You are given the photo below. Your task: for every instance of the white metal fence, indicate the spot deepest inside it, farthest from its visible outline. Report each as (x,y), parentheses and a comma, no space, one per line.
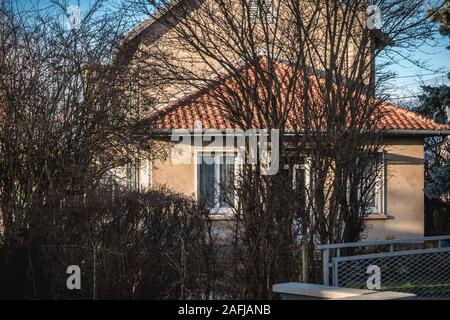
(419,265)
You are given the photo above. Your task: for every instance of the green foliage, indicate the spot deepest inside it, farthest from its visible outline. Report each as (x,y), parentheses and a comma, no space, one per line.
(434,103)
(440,181)
(443,17)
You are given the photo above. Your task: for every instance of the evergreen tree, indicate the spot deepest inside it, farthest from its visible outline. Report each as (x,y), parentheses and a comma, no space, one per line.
(442,16)
(435,104)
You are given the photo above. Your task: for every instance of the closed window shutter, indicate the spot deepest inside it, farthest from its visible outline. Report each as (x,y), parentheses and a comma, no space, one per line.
(254,7)
(227,182)
(300,180)
(133,174)
(206,184)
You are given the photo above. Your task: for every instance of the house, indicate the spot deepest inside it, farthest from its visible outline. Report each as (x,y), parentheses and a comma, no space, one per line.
(397,200)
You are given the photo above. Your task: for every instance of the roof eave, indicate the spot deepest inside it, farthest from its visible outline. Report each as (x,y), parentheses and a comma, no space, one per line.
(397,132)
(149,21)
(417,133)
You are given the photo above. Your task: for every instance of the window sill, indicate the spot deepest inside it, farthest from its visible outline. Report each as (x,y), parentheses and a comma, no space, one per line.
(221,214)
(377,216)
(222,217)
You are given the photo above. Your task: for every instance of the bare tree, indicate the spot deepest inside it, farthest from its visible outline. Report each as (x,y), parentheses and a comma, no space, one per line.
(66,112)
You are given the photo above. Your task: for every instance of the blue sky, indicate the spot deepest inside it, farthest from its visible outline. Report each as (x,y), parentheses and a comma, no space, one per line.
(409,77)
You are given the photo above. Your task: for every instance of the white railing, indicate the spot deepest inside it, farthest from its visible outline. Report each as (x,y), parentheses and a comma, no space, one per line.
(432,255)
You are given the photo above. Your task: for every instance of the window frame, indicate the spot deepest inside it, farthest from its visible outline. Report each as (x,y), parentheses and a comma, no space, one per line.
(133,174)
(254,10)
(216,210)
(379,210)
(304,166)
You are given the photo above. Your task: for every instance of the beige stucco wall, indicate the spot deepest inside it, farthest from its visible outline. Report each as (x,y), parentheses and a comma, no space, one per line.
(404,195)
(404,203)
(178,177)
(162,48)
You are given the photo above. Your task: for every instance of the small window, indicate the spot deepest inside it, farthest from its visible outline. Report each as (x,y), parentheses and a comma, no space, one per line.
(299,177)
(375,189)
(135,100)
(260,8)
(133,176)
(215,181)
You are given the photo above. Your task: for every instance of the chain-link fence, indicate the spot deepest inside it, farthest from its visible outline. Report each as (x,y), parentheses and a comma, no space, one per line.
(124,273)
(132,272)
(421,266)
(426,274)
(127,273)
(102,273)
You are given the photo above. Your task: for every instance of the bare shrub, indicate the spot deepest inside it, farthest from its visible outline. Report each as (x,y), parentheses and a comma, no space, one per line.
(150,245)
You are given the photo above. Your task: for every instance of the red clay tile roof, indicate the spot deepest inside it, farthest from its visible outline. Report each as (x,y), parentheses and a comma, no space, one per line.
(397,118)
(200,107)
(189,113)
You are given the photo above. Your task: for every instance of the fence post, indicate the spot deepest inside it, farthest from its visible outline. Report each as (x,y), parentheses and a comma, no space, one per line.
(183,260)
(325,268)
(335,273)
(305,264)
(95,278)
